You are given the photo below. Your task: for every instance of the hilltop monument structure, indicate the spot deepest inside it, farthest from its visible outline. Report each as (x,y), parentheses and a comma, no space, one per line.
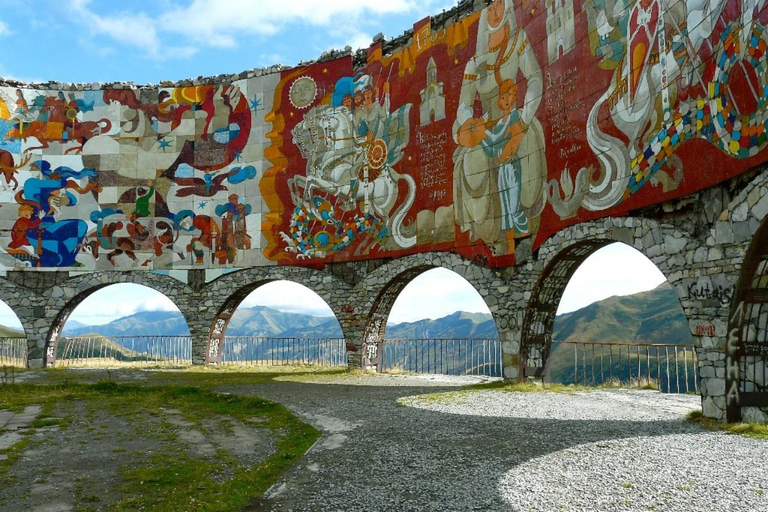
(505,141)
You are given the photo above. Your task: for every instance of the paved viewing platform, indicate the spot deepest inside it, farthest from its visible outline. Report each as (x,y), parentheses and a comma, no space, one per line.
(421,442)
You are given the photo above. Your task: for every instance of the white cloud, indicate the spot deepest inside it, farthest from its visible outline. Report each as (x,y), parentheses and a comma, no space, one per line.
(219,23)
(271,58)
(9,75)
(8,317)
(223,23)
(349,35)
(289,297)
(157,302)
(120,300)
(4,29)
(435,294)
(135,29)
(617,269)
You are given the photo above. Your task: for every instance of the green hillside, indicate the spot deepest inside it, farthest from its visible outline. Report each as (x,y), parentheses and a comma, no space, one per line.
(457,325)
(96,347)
(8,332)
(654,317)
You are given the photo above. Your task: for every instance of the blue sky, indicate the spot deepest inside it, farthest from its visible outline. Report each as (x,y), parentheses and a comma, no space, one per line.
(147,42)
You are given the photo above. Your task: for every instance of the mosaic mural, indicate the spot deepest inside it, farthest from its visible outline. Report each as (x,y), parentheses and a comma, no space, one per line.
(507,124)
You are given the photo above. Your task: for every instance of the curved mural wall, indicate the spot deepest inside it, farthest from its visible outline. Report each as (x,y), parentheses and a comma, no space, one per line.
(508,123)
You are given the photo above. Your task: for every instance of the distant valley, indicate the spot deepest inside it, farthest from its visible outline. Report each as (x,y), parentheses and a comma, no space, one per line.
(654,316)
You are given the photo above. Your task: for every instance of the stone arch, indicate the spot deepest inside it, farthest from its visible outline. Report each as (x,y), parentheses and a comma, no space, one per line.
(746,350)
(13,297)
(732,240)
(668,247)
(743,215)
(390,279)
(16,297)
(331,289)
(66,296)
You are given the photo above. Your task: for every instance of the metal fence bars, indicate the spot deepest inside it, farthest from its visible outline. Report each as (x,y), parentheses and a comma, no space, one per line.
(265,351)
(445,356)
(124,351)
(669,368)
(13,352)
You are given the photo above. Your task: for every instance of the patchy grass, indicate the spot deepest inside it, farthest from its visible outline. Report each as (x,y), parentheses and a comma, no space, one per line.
(8,373)
(530,386)
(13,453)
(756,430)
(44,420)
(208,377)
(169,480)
(536,386)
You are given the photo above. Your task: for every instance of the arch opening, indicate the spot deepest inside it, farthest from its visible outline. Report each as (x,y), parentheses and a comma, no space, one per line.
(119,324)
(429,319)
(13,340)
(276,322)
(746,376)
(601,313)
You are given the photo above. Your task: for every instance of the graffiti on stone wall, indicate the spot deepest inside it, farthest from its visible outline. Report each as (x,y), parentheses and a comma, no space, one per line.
(705,330)
(732,370)
(509,123)
(706,290)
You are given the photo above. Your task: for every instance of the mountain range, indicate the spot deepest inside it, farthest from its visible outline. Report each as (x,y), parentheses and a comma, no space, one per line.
(654,316)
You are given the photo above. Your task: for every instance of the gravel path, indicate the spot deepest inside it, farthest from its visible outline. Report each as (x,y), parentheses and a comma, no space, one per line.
(386,448)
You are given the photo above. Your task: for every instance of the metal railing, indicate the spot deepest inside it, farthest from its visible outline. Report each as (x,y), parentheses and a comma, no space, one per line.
(265,351)
(670,368)
(13,352)
(445,356)
(124,350)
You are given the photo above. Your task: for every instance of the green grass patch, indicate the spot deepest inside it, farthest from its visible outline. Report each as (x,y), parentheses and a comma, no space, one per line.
(13,453)
(756,430)
(170,479)
(528,387)
(45,422)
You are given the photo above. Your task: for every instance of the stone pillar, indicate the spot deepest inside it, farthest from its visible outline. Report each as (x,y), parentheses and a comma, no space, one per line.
(31,295)
(352,319)
(199,309)
(199,321)
(353,312)
(712,381)
(36,328)
(514,296)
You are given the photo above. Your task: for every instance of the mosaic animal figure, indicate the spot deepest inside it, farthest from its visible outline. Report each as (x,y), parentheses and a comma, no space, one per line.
(351,174)
(117,234)
(65,133)
(8,167)
(315,232)
(216,147)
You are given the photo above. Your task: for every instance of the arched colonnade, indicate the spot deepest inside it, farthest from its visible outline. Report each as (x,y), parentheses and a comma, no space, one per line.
(703,264)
